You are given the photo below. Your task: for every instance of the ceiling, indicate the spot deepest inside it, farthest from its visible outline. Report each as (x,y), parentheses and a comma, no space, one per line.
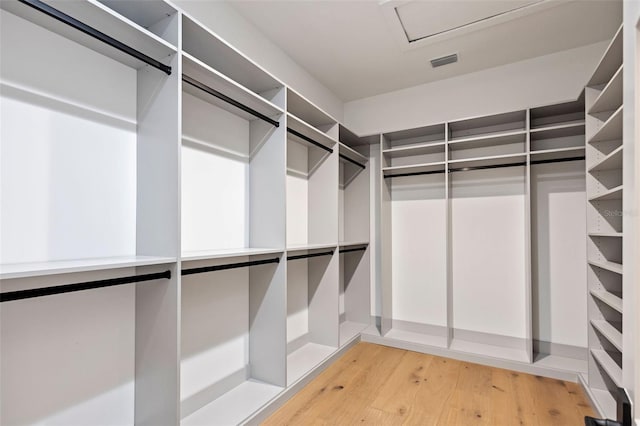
(362,48)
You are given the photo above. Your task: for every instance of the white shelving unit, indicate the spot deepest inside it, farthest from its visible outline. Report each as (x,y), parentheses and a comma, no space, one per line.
(604,165)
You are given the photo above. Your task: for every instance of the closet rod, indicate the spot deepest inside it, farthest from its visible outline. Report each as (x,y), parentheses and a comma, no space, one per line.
(89,285)
(227,99)
(495,166)
(308,139)
(92,32)
(228,266)
(344,157)
(305,256)
(352,249)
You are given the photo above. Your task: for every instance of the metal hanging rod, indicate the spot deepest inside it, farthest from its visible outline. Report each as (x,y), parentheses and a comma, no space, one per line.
(494,166)
(89,285)
(308,139)
(227,99)
(349,250)
(228,266)
(306,256)
(98,35)
(344,157)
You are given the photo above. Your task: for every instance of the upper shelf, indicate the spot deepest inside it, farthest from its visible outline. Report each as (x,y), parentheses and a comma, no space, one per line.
(610,61)
(418,149)
(299,126)
(36,269)
(610,97)
(612,161)
(102,19)
(352,156)
(610,130)
(227,253)
(486,126)
(486,140)
(489,161)
(420,136)
(206,75)
(426,168)
(207,47)
(554,131)
(550,116)
(308,112)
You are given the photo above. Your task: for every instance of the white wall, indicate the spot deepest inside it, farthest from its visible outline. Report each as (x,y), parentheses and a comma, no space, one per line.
(222,19)
(540,81)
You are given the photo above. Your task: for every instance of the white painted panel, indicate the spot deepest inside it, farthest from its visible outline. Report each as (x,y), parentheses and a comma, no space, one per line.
(297,299)
(68,176)
(68,359)
(559,253)
(297,194)
(341,217)
(418,246)
(215,327)
(488,252)
(215,177)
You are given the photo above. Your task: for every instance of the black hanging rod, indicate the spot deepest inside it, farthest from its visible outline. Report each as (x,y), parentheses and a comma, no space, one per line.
(98,35)
(306,256)
(308,139)
(349,250)
(344,157)
(227,99)
(494,166)
(228,266)
(89,285)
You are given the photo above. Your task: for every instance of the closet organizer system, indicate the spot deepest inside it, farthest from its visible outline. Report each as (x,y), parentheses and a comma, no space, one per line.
(483,243)
(185,238)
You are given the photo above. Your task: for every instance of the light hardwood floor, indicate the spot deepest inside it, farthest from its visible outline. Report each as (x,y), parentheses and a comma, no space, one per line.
(373,384)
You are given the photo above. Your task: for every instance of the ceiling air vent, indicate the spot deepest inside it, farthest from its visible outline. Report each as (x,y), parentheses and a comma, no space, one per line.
(444,60)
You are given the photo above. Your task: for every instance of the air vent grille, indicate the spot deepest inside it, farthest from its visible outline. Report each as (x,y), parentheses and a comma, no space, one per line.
(444,60)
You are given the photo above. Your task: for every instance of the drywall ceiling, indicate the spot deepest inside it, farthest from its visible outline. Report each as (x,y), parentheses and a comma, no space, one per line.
(363,48)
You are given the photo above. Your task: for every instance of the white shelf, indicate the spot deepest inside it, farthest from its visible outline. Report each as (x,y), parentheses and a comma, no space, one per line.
(610,61)
(352,154)
(435,167)
(610,194)
(606,401)
(491,139)
(561,363)
(557,153)
(610,130)
(304,247)
(227,253)
(36,269)
(611,96)
(608,365)
(103,19)
(612,161)
(610,299)
(302,108)
(500,352)
(419,338)
(208,76)
(609,266)
(418,149)
(609,332)
(309,131)
(349,330)
(234,406)
(573,128)
(606,234)
(303,360)
(344,244)
(488,161)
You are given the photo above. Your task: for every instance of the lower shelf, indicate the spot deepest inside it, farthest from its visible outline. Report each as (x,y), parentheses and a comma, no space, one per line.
(512,354)
(606,402)
(234,406)
(301,361)
(561,363)
(420,338)
(609,365)
(349,330)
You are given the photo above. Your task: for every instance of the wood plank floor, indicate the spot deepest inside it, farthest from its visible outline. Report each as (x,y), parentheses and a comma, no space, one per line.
(373,384)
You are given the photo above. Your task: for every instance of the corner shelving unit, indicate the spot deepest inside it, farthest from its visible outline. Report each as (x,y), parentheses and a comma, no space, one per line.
(604,155)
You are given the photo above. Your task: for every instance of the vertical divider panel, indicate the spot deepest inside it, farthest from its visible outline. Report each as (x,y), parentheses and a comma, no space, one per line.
(527,242)
(448,239)
(385,246)
(268,323)
(157,355)
(323,197)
